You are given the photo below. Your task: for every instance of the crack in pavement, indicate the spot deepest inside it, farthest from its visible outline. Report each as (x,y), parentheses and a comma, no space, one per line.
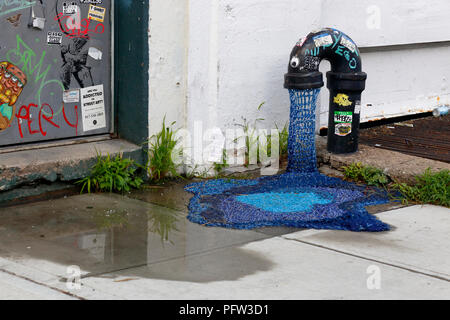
(369,259)
(41,284)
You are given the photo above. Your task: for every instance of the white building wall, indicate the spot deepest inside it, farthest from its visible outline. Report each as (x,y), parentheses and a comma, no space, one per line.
(405,48)
(168,48)
(229,56)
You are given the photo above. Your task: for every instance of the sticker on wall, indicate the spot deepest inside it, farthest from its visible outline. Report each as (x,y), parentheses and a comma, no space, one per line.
(357,107)
(323,40)
(343,122)
(54,37)
(14,20)
(93,108)
(37,17)
(77,50)
(95,53)
(342,100)
(12,82)
(69,8)
(96,13)
(71,96)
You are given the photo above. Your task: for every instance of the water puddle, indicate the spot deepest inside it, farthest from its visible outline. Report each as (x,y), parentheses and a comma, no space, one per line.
(105,233)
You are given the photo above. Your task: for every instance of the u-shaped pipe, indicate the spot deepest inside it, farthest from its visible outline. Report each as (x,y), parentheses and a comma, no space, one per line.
(345,81)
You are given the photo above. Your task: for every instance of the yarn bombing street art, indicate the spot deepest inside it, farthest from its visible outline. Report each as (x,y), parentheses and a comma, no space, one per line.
(301,197)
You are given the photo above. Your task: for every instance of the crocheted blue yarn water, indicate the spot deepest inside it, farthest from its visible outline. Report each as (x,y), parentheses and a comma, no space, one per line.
(301,197)
(301,143)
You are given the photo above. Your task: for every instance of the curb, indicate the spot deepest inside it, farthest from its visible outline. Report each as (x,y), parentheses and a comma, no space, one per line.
(396,165)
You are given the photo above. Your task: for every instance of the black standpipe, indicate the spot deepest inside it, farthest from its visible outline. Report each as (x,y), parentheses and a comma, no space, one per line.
(345,81)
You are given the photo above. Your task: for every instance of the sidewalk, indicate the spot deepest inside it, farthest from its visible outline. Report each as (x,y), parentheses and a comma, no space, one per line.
(132,249)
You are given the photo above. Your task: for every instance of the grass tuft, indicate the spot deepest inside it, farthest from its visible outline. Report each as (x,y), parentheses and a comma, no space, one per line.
(112,175)
(161,153)
(430,188)
(366,174)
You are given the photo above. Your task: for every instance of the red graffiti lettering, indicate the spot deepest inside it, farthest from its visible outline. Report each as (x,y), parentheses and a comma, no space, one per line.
(25,114)
(27,117)
(48,119)
(19,118)
(76,121)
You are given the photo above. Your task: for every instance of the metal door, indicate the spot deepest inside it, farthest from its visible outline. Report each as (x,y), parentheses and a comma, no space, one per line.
(55,69)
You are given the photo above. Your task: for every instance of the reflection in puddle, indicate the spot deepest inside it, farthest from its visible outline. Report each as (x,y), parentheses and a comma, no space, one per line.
(94,244)
(103,234)
(162,223)
(123,238)
(159,222)
(111,218)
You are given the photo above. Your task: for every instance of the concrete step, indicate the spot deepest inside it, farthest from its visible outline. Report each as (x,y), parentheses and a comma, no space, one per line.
(60,163)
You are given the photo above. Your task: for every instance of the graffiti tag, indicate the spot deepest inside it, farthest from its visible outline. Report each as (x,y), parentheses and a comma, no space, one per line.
(25,114)
(33,66)
(78,30)
(341,45)
(8,6)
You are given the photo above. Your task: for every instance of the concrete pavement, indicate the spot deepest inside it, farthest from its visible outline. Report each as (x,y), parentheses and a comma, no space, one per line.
(114,247)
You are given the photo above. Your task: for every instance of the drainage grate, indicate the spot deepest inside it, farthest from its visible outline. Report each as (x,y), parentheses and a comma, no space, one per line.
(428,137)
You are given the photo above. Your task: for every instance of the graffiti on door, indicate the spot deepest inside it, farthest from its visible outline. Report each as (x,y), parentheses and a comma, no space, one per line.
(50,51)
(12,81)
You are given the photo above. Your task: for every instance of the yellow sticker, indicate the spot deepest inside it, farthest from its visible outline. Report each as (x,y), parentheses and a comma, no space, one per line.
(342,100)
(96,13)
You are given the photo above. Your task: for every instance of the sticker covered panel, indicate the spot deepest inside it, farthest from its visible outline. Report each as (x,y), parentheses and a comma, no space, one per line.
(51,52)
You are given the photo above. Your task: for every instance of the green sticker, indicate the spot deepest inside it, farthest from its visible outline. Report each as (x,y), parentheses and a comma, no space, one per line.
(343,117)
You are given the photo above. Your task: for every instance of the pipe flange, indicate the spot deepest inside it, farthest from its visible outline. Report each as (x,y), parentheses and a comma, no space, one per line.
(303,80)
(352,81)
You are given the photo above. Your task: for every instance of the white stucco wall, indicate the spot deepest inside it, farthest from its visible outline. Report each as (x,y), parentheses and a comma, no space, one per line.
(228,56)
(374,23)
(168,48)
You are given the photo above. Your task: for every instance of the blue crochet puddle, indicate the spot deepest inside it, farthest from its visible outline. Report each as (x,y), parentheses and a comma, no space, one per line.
(283,201)
(301,197)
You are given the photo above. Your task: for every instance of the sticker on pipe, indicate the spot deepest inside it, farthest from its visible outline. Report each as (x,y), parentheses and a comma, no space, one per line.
(357,106)
(323,40)
(300,42)
(348,43)
(342,100)
(343,129)
(343,123)
(93,108)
